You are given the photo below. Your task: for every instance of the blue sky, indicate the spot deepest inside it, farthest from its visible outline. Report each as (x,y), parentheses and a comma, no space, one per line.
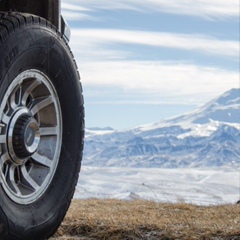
(143,61)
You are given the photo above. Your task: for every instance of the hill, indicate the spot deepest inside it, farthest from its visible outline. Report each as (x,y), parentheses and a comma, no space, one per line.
(117,220)
(205,137)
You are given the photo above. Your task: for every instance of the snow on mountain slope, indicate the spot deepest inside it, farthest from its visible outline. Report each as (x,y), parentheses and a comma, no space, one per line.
(224,108)
(205,120)
(206,137)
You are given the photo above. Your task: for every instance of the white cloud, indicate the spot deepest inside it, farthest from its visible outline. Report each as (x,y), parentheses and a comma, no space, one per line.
(74,7)
(202,8)
(106,4)
(102,67)
(73,16)
(159,78)
(203,44)
(74,12)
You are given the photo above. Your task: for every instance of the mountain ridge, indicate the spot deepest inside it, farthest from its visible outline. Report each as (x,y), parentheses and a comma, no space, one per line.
(205,137)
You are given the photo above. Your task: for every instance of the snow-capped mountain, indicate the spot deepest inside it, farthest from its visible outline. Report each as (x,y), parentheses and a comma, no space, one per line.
(206,137)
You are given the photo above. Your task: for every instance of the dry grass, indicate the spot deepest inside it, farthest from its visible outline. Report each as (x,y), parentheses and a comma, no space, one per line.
(116,219)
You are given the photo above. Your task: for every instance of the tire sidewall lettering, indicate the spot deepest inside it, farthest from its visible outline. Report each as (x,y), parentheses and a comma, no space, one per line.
(11,56)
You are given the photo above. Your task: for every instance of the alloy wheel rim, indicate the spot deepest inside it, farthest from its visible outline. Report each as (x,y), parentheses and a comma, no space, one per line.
(30,136)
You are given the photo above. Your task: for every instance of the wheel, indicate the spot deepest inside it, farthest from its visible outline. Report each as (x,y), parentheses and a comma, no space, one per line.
(41,127)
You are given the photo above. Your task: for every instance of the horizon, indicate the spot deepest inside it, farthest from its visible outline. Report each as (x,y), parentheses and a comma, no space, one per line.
(189,49)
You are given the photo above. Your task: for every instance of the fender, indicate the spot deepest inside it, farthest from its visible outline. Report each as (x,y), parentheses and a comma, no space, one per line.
(48,9)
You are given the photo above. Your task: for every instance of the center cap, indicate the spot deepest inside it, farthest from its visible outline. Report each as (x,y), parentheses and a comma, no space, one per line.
(26,136)
(29,135)
(23,136)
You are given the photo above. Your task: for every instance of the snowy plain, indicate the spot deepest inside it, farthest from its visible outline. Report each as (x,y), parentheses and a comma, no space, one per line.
(213,186)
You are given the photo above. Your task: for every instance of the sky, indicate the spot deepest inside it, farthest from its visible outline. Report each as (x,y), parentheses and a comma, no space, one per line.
(144,61)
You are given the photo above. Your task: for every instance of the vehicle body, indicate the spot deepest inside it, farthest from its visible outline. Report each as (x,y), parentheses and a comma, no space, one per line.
(47,9)
(41,119)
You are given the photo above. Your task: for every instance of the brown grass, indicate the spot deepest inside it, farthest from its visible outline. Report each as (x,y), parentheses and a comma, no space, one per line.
(116,219)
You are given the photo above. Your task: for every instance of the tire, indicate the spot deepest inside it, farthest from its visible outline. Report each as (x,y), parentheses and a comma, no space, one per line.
(41,127)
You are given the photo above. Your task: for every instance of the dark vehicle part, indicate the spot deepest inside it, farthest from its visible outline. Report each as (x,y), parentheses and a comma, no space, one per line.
(47,9)
(41,126)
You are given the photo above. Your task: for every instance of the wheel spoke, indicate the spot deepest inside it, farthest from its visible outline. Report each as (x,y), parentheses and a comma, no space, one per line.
(16,96)
(28,178)
(27,91)
(42,160)
(12,178)
(2,138)
(19,96)
(47,131)
(5,118)
(1,177)
(5,157)
(7,106)
(40,103)
(13,99)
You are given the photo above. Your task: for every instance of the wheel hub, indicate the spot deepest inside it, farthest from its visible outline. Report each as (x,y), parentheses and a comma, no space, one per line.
(23,136)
